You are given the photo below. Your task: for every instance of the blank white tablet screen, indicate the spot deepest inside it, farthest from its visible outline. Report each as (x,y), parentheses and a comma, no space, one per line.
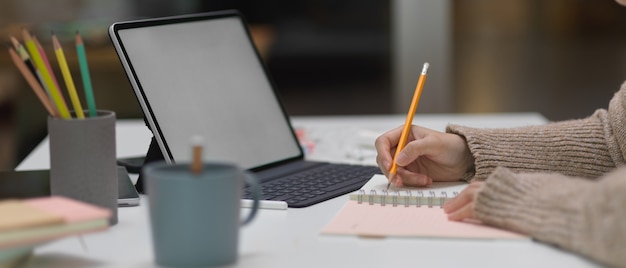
(204,78)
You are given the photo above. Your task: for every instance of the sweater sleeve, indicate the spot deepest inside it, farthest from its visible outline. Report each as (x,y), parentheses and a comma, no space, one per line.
(576,214)
(586,147)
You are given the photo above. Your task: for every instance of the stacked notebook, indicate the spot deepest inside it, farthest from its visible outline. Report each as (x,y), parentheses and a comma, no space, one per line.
(27,223)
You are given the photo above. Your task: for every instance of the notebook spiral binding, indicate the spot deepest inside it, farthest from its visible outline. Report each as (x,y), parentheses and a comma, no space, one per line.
(406,198)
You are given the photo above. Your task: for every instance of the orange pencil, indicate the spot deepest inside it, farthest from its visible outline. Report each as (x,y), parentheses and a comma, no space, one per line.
(21,51)
(409,121)
(34,84)
(196,161)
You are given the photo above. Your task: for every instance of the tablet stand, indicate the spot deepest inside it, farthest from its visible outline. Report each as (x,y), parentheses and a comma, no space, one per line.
(153,154)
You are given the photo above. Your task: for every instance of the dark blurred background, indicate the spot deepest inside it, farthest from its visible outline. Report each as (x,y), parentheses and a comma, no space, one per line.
(561,58)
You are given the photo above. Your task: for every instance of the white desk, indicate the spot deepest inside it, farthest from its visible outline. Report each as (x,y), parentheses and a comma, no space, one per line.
(290,238)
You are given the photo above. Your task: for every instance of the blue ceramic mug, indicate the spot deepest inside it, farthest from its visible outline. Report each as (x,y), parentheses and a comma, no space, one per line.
(195,218)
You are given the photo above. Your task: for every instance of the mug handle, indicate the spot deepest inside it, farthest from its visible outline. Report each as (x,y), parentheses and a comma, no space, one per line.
(255,188)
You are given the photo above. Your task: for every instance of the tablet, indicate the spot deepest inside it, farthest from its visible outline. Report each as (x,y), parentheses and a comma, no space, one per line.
(201,75)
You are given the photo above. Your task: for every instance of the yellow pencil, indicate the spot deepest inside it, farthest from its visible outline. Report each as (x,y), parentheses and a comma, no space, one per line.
(47,79)
(409,120)
(67,76)
(44,57)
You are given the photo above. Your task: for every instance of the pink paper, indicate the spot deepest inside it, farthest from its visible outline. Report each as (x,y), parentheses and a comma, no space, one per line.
(400,221)
(71,210)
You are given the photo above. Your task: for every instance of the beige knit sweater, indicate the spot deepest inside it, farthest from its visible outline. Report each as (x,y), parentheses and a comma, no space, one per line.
(562,183)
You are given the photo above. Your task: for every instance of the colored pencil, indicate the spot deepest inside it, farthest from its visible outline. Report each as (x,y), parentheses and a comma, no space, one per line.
(409,120)
(67,76)
(196,159)
(21,51)
(16,44)
(38,75)
(44,57)
(84,71)
(32,81)
(47,79)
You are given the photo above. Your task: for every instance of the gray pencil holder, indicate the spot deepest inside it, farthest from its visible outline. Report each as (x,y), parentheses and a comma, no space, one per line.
(83,159)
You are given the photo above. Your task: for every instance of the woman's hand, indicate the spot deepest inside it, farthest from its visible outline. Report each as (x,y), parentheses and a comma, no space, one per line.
(462,206)
(428,156)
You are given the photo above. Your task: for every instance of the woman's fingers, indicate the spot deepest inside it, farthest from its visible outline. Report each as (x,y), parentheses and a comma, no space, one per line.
(465,212)
(462,206)
(408,178)
(385,148)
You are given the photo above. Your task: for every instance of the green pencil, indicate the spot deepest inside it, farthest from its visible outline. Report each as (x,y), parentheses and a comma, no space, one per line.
(84,71)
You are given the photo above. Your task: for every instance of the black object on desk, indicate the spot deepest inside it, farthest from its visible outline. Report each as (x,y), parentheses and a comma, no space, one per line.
(154,154)
(36,183)
(24,184)
(132,164)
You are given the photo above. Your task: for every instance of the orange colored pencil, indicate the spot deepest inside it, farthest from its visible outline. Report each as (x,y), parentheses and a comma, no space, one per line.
(409,120)
(33,82)
(21,51)
(196,160)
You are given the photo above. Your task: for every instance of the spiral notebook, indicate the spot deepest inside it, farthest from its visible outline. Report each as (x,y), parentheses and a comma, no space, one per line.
(375,191)
(373,211)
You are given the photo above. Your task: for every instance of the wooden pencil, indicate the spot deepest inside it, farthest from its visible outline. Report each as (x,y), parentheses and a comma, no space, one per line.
(196,160)
(57,98)
(21,51)
(84,71)
(409,120)
(67,77)
(16,44)
(34,84)
(46,62)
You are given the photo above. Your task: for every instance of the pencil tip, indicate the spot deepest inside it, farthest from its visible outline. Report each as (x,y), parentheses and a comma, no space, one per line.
(14,41)
(79,39)
(26,34)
